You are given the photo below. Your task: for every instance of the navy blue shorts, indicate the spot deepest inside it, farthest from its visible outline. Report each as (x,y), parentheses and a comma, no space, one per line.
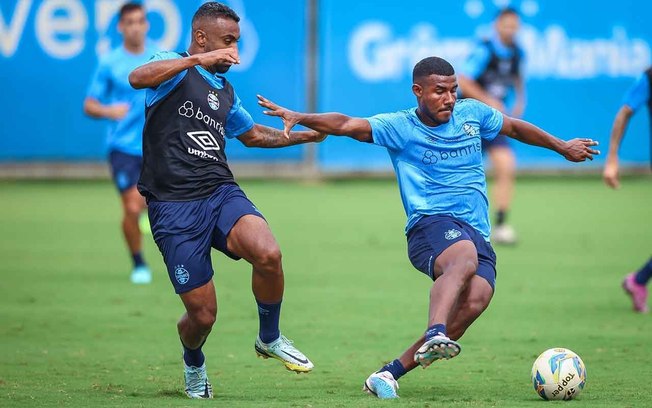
(432,234)
(125,169)
(498,141)
(186,231)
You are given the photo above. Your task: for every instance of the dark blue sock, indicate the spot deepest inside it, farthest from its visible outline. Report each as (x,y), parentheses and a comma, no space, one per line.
(193,358)
(268,316)
(138,259)
(644,274)
(396,368)
(434,330)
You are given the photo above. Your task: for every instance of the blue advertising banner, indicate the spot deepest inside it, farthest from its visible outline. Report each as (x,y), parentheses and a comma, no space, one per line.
(581,57)
(50,48)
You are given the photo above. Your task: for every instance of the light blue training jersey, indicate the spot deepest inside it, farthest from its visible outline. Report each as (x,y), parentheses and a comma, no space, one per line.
(110,85)
(439,169)
(238,120)
(638,94)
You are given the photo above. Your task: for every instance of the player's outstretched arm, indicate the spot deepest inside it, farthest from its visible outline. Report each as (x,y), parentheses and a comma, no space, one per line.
(155,73)
(610,173)
(264,136)
(324,123)
(575,150)
(472,89)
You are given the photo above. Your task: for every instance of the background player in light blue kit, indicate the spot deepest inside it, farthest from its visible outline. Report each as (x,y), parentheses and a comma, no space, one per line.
(436,153)
(493,74)
(111,97)
(637,96)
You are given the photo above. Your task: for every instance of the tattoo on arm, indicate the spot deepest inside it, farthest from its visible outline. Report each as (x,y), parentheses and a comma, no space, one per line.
(270,137)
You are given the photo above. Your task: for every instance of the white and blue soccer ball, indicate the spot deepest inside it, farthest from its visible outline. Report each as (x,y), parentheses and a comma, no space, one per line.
(558,374)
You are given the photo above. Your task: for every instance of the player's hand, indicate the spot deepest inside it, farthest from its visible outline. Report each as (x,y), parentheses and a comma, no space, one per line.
(578,150)
(290,118)
(117,111)
(223,56)
(610,174)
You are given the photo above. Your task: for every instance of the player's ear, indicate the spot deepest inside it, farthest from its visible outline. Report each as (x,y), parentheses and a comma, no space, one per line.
(200,38)
(417,90)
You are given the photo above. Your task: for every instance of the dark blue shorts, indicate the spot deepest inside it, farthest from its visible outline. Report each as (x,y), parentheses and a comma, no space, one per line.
(432,234)
(498,141)
(125,169)
(186,231)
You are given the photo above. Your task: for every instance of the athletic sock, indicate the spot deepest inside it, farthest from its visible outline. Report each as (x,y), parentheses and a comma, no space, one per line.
(138,259)
(501,217)
(643,276)
(268,317)
(435,330)
(395,368)
(193,358)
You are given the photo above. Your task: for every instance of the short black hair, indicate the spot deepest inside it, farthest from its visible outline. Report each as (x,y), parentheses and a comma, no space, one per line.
(432,66)
(506,12)
(129,7)
(213,9)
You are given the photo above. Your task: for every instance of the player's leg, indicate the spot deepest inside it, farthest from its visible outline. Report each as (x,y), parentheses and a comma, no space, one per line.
(504,166)
(635,285)
(125,169)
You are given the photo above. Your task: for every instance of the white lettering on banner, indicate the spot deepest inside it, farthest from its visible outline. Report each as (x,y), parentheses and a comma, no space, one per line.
(376,54)
(10,33)
(105,10)
(61,36)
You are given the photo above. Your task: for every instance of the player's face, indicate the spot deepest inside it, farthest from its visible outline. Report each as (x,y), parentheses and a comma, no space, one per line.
(436,97)
(507,26)
(221,33)
(133,26)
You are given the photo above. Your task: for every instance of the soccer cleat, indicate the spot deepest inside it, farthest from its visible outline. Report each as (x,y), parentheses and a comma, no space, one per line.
(637,292)
(503,235)
(382,385)
(141,275)
(197,385)
(283,350)
(437,348)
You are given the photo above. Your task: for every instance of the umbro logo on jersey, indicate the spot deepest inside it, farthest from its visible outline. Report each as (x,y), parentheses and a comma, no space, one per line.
(204,139)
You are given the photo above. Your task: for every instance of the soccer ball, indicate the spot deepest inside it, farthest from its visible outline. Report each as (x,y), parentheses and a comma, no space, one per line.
(558,374)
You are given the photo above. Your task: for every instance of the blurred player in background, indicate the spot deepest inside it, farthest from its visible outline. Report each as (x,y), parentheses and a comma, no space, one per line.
(637,96)
(436,152)
(493,74)
(194,201)
(111,97)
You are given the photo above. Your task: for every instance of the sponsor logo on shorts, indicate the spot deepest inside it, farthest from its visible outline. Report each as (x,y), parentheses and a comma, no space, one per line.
(452,234)
(181,274)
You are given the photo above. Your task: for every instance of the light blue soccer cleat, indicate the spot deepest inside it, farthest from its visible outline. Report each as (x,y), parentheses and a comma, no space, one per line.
(437,348)
(382,385)
(282,349)
(197,385)
(141,275)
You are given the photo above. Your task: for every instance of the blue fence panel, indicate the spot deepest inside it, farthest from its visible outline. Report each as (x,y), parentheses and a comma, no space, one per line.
(49,49)
(581,58)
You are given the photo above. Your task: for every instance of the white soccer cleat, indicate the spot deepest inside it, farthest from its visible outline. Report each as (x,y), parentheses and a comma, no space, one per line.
(437,348)
(197,384)
(141,275)
(382,385)
(282,349)
(503,234)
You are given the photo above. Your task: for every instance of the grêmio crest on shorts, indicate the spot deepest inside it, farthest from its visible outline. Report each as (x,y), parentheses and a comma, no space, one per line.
(183,141)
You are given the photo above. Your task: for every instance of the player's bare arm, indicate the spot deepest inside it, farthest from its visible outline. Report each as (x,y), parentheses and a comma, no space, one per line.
(327,123)
(610,173)
(575,150)
(472,89)
(264,136)
(96,109)
(155,73)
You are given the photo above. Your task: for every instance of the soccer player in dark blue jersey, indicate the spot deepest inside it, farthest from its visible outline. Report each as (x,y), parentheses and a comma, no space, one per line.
(493,74)
(637,96)
(436,153)
(111,97)
(194,201)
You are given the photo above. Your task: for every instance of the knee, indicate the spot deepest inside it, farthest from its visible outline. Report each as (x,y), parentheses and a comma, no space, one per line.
(269,259)
(132,210)
(204,318)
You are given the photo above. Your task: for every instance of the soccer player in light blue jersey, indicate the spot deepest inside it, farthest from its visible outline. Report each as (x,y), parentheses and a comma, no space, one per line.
(436,153)
(637,96)
(493,74)
(111,97)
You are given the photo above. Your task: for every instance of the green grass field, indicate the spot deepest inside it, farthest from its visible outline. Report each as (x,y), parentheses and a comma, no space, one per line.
(75,332)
